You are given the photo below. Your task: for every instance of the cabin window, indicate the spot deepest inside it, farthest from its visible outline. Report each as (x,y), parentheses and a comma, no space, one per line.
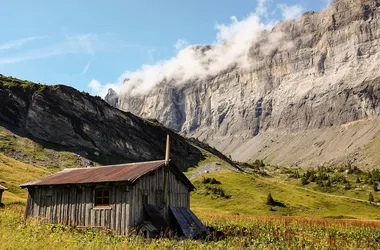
(102,197)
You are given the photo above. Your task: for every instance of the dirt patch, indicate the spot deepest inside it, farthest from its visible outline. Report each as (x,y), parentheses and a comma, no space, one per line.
(207,168)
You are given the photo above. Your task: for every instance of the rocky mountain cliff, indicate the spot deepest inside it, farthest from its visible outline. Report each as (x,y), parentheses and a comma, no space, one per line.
(304,94)
(62,118)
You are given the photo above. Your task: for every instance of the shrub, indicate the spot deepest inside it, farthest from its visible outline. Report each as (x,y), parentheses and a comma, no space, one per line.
(304,181)
(218,191)
(347,186)
(207,180)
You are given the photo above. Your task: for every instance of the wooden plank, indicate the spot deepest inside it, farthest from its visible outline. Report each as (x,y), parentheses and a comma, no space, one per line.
(113,206)
(118,212)
(92,218)
(102,217)
(127,223)
(28,206)
(89,205)
(35,200)
(83,208)
(123,215)
(59,204)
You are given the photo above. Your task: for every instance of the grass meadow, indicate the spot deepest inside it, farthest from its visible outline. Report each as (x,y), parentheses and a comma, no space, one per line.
(227,232)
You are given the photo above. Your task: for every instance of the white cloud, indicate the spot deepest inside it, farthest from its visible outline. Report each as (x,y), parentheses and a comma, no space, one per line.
(86,67)
(180,44)
(232,48)
(262,7)
(101,90)
(95,86)
(290,12)
(18,43)
(232,45)
(78,44)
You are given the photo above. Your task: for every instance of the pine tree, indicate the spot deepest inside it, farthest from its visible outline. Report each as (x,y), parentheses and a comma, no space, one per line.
(375,187)
(304,181)
(270,200)
(370,197)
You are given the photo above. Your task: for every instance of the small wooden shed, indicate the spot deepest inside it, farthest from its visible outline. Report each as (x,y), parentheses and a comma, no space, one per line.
(2,189)
(118,197)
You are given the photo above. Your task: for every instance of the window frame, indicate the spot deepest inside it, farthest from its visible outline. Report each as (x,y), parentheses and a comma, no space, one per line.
(103,197)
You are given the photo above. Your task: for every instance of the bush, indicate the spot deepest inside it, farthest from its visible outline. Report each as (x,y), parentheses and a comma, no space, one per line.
(304,181)
(218,191)
(207,180)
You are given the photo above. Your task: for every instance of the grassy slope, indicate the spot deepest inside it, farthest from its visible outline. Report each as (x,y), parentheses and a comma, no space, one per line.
(13,173)
(30,152)
(249,193)
(23,160)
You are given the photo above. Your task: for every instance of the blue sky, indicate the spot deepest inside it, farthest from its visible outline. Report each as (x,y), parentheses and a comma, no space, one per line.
(75,42)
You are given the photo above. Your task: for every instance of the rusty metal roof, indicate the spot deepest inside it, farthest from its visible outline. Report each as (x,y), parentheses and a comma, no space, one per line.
(113,173)
(3,188)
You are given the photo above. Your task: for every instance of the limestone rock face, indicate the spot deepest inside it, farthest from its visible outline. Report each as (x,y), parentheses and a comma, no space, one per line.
(328,76)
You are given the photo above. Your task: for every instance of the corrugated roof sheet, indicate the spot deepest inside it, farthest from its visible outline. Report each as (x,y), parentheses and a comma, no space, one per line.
(148,225)
(114,173)
(189,223)
(3,188)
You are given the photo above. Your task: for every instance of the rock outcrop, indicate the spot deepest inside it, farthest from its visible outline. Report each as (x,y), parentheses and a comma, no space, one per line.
(64,118)
(112,97)
(327,76)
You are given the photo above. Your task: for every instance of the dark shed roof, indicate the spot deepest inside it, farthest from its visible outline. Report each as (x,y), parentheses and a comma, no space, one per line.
(3,188)
(188,222)
(130,173)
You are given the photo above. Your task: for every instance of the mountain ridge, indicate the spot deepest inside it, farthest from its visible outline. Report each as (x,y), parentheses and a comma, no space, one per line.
(62,118)
(326,78)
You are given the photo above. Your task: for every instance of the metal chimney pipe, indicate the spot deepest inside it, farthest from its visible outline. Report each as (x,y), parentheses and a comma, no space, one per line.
(167,154)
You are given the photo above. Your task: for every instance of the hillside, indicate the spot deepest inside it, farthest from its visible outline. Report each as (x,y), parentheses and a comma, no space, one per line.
(289,104)
(62,119)
(44,129)
(246,194)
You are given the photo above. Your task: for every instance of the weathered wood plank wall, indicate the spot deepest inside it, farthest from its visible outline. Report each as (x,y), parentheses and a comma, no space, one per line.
(74,204)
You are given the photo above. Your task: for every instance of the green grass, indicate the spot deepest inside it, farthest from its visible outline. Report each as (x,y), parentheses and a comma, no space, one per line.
(31,152)
(10,82)
(13,173)
(249,192)
(227,232)
(359,190)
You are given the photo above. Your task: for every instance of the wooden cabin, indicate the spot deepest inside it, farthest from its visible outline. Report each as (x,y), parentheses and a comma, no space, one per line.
(2,189)
(151,196)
